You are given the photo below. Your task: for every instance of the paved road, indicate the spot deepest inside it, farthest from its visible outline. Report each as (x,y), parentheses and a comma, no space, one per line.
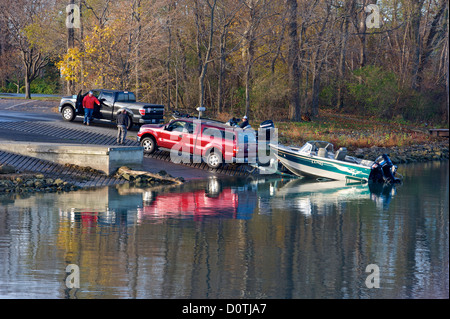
(39,121)
(21,95)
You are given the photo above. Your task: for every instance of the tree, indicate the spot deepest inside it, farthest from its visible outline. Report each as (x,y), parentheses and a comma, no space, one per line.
(203,63)
(227,16)
(432,37)
(24,21)
(349,7)
(293,63)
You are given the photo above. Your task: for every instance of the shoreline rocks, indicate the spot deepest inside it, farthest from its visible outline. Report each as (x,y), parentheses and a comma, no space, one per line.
(143,178)
(30,183)
(12,182)
(409,154)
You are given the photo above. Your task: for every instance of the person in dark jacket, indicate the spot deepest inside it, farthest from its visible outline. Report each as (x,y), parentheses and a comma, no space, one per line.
(122,124)
(244,122)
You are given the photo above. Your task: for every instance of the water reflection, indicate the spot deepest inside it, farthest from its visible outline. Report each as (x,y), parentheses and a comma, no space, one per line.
(244,238)
(229,199)
(314,197)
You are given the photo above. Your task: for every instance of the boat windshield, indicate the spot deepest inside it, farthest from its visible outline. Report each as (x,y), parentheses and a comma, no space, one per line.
(313,146)
(306,148)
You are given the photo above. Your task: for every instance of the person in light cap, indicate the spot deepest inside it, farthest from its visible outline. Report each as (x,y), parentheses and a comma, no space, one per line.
(244,122)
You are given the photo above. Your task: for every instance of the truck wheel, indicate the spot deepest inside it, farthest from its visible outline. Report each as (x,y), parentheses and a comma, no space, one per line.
(68,113)
(214,159)
(149,145)
(130,122)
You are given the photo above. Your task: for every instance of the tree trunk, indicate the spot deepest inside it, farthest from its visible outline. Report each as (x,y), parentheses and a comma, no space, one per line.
(81,87)
(247,88)
(169,55)
(205,63)
(428,45)
(138,50)
(293,62)
(315,93)
(27,87)
(222,72)
(416,41)
(341,66)
(362,28)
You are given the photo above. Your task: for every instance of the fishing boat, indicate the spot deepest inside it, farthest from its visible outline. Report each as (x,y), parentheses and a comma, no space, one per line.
(318,159)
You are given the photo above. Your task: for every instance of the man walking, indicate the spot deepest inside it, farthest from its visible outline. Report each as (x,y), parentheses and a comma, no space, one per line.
(122,124)
(88,104)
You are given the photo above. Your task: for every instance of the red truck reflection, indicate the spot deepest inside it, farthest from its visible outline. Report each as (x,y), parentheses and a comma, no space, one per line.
(196,205)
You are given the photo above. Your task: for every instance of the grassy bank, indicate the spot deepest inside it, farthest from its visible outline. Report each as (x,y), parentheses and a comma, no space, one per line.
(355,132)
(36,98)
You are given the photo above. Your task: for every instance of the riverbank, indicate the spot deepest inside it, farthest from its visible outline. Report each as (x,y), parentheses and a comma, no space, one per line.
(367,138)
(434,151)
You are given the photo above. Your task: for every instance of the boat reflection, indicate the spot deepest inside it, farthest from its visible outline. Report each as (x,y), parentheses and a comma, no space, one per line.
(313,196)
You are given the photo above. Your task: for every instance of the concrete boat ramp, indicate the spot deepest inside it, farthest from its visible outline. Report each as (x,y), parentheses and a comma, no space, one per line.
(71,174)
(56,144)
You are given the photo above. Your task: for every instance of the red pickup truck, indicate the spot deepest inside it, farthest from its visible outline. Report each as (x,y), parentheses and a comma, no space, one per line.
(190,139)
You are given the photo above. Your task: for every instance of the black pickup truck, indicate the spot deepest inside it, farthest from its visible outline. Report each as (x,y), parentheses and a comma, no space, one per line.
(111,102)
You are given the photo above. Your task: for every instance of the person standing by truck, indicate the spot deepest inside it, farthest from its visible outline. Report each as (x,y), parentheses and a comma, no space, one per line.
(122,124)
(89,102)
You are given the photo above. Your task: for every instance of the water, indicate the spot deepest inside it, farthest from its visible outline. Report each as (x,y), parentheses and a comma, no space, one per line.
(232,239)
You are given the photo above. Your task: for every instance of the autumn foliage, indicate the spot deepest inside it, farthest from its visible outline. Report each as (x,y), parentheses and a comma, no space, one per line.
(264,58)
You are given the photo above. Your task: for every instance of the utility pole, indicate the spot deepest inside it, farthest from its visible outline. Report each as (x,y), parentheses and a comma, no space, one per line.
(71,43)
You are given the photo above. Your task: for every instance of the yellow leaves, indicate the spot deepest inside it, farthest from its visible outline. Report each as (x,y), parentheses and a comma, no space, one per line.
(70,64)
(96,55)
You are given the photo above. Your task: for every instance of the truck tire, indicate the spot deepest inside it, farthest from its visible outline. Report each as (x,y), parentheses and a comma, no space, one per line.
(68,113)
(149,144)
(214,159)
(130,122)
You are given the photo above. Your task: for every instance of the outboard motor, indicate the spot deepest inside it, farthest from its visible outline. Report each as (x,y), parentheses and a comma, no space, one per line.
(376,174)
(383,170)
(266,127)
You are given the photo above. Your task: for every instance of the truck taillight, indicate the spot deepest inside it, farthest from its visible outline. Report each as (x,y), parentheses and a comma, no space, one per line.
(142,112)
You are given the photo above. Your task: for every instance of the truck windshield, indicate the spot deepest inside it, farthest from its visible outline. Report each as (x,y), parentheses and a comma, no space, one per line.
(126,97)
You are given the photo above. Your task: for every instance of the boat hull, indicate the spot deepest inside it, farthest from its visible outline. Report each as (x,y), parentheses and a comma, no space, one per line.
(315,166)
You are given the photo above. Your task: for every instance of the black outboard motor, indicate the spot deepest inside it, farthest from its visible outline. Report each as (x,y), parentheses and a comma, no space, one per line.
(267,127)
(383,171)
(376,174)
